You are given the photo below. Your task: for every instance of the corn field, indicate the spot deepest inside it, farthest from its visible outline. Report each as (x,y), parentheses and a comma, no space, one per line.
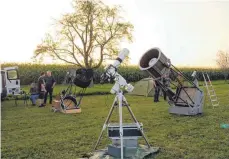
(30,72)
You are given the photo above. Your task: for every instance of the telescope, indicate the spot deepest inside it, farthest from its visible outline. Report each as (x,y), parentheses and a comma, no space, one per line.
(111,73)
(187,99)
(124,136)
(82,78)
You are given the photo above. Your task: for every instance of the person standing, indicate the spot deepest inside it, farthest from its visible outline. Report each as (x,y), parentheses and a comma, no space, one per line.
(166,83)
(49,85)
(41,89)
(157,91)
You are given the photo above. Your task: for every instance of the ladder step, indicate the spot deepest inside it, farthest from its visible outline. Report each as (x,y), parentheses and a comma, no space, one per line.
(210,90)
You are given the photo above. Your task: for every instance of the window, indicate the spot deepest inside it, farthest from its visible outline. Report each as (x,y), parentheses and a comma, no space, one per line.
(12,74)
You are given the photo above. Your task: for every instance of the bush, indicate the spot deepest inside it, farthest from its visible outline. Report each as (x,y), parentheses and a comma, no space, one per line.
(30,72)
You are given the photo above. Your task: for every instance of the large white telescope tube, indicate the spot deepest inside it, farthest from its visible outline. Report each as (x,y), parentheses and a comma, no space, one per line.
(111,69)
(121,56)
(111,72)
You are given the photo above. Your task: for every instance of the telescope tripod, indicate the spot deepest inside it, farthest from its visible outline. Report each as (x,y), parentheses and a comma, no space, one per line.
(120,101)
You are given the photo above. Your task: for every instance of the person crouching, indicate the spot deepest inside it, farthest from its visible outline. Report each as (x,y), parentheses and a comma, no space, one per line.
(34,93)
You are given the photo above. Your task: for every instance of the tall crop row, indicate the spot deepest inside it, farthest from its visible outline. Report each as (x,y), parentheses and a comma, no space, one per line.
(30,72)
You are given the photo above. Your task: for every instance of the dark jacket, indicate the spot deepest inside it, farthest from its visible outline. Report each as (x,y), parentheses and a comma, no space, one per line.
(34,89)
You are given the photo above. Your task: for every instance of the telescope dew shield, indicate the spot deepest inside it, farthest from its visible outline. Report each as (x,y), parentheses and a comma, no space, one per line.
(121,56)
(155,63)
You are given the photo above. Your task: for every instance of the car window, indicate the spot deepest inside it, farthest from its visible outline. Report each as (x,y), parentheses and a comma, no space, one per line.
(12,74)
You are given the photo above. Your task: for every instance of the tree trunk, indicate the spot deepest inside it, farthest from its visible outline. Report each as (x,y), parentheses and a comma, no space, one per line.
(101,58)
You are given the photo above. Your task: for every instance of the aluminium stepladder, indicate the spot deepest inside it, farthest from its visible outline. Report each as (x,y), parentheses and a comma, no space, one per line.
(210,91)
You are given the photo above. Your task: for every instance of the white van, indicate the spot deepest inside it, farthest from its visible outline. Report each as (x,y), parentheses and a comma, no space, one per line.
(10,82)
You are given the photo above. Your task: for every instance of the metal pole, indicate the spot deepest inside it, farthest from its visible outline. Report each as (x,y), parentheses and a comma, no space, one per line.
(120,98)
(186,78)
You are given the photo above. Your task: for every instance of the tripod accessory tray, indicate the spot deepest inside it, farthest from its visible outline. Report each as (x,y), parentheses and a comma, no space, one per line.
(129,130)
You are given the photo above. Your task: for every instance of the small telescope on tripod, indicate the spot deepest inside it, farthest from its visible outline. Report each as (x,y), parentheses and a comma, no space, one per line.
(187,99)
(124,136)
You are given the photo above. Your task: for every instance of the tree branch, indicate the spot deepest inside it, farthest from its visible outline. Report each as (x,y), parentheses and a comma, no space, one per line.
(73,48)
(81,37)
(73,43)
(64,59)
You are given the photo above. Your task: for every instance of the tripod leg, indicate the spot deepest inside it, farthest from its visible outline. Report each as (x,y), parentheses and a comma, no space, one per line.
(106,122)
(135,120)
(120,99)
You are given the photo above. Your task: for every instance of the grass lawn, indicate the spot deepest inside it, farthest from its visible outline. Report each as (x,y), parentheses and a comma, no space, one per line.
(100,88)
(97,88)
(32,132)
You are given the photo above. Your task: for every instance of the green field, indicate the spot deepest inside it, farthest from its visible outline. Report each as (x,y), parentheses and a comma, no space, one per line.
(32,132)
(95,90)
(103,88)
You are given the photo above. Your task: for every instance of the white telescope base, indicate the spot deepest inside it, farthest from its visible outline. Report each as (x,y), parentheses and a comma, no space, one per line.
(185,110)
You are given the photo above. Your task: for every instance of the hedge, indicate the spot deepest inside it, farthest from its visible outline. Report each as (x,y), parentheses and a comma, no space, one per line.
(30,72)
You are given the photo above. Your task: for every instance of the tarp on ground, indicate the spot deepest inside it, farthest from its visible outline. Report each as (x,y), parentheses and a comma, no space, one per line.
(142,152)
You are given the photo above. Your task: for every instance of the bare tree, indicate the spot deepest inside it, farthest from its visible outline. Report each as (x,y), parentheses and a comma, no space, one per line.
(88,36)
(223,62)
